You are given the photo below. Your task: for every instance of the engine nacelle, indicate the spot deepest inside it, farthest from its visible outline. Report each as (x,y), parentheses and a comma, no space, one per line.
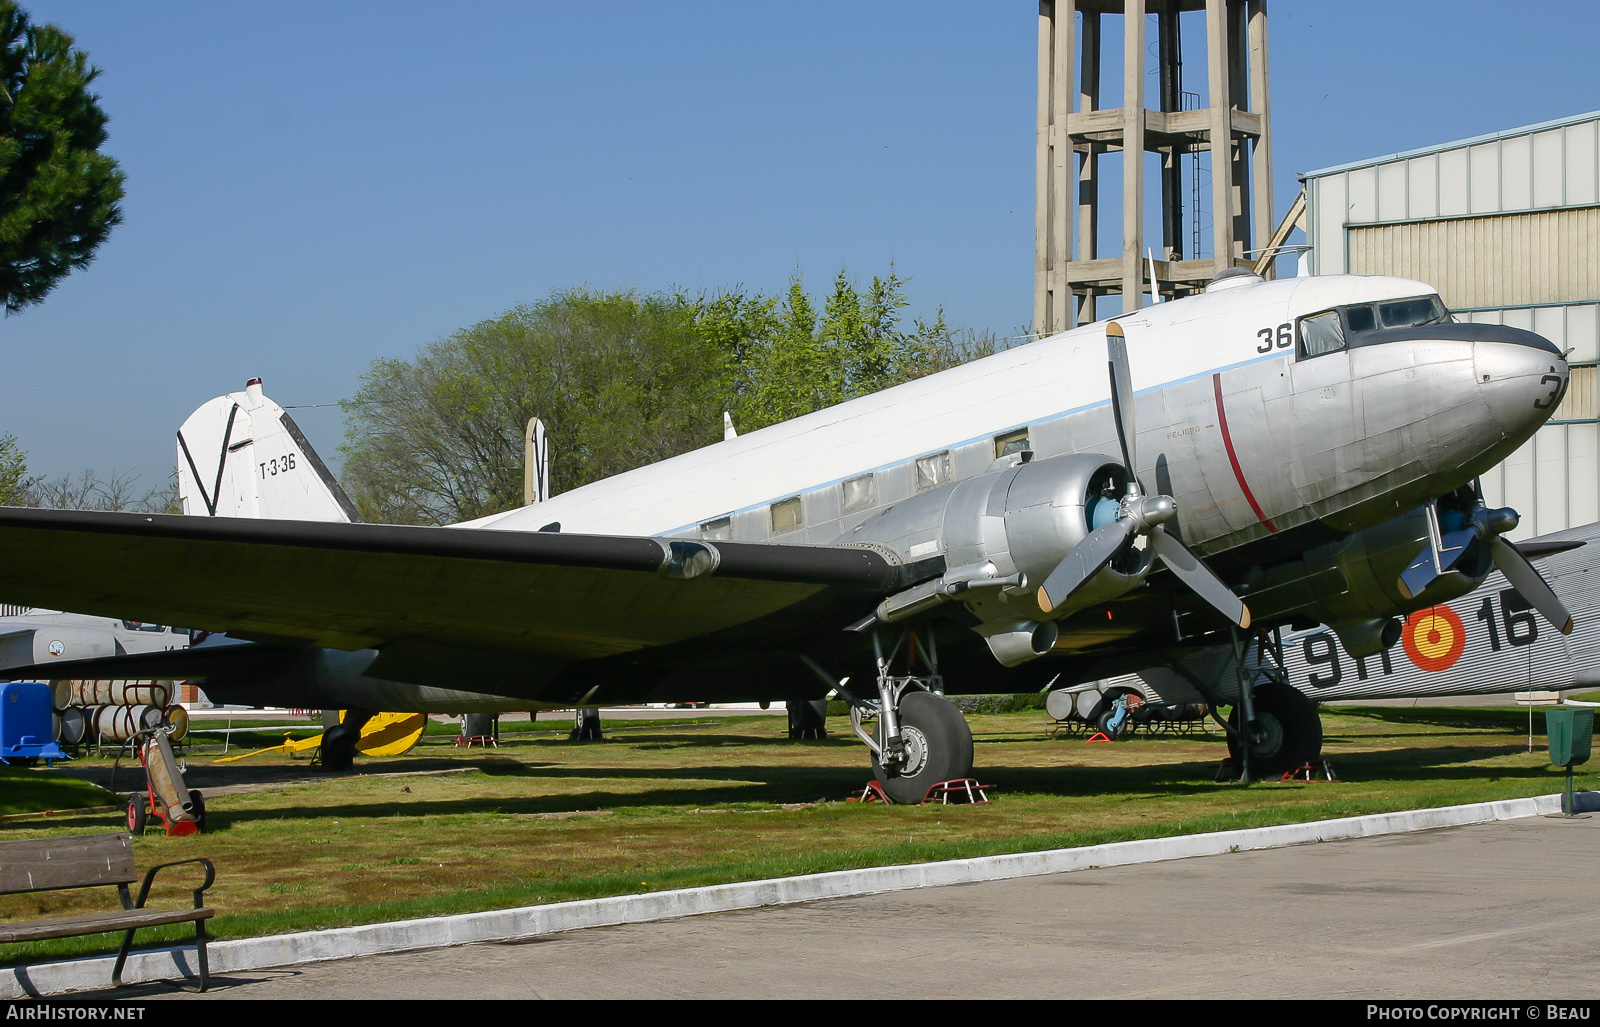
(1001,534)
(1353,581)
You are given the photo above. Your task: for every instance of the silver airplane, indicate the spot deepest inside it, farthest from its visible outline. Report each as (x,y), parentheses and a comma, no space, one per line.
(1093,503)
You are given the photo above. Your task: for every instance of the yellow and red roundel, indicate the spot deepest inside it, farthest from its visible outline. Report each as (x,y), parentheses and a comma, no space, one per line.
(1434,638)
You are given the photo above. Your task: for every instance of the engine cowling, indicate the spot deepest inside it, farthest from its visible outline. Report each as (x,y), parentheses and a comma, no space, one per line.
(1350,583)
(1001,534)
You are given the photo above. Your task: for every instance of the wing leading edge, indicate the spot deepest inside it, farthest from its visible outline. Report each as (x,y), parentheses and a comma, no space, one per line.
(351,586)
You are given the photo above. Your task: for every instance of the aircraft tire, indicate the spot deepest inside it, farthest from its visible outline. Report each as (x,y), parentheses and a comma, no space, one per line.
(941,743)
(1291,727)
(138,813)
(339,747)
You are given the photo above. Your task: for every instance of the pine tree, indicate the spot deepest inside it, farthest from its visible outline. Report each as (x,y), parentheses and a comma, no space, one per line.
(58,193)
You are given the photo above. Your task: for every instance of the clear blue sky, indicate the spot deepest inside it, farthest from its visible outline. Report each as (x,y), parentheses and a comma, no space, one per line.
(311,186)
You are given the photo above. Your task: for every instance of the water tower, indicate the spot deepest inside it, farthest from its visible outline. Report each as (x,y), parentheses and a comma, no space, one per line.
(1074,263)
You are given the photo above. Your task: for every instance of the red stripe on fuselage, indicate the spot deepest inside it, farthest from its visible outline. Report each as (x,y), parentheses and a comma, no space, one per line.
(1233,458)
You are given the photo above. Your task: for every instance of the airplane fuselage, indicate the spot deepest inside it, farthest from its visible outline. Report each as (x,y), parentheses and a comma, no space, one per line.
(1255,435)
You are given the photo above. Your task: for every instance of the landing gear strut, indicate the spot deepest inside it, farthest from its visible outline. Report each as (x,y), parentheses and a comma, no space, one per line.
(1273,728)
(1287,731)
(918,738)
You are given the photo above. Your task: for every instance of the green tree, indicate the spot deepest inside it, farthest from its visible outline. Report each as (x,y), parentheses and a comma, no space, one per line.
(58,193)
(796,362)
(15,484)
(621,380)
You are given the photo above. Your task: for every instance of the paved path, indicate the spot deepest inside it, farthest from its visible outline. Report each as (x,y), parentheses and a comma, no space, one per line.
(1499,910)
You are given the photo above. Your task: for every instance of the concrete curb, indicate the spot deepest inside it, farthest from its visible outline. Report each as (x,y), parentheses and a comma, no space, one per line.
(530,921)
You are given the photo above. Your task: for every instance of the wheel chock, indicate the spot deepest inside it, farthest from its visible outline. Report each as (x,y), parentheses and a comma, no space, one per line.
(1309,770)
(873,792)
(1099,736)
(959,791)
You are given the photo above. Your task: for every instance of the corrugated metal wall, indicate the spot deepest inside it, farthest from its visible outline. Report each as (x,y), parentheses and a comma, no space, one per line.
(1537,170)
(1499,261)
(1508,229)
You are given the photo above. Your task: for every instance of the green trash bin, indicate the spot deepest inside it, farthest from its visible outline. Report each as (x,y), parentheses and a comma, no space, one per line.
(1571,733)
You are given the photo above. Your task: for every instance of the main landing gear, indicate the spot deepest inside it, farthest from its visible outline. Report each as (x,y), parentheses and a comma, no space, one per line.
(1287,731)
(917,738)
(1273,728)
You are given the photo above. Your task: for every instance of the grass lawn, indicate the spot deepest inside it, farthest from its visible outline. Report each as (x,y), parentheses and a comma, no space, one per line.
(713,799)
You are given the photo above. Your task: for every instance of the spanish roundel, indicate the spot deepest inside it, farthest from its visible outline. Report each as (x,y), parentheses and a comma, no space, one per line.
(1434,638)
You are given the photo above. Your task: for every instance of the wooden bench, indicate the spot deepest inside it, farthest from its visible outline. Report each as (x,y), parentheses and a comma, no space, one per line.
(55,864)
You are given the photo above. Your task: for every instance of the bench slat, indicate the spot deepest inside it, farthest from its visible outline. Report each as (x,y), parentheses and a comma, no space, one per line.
(96,923)
(48,864)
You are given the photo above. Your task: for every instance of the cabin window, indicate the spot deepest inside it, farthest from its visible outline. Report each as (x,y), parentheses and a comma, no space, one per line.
(1421,310)
(719,530)
(786,515)
(1320,333)
(858,493)
(1011,442)
(1361,319)
(933,471)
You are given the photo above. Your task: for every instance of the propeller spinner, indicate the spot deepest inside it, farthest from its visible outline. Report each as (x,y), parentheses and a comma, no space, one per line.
(1136,515)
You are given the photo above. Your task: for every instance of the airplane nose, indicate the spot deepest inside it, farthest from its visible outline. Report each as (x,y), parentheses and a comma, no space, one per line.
(1520,382)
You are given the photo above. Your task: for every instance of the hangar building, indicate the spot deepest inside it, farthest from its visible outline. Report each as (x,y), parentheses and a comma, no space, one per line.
(1507,226)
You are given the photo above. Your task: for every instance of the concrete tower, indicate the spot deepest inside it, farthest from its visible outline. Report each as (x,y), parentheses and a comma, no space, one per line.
(1079,264)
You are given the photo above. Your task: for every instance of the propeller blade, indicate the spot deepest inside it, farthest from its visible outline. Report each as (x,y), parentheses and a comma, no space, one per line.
(1202,580)
(1122,396)
(1525,578)
(1083,563)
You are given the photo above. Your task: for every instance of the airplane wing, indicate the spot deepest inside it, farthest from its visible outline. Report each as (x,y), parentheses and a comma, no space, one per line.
(563,597)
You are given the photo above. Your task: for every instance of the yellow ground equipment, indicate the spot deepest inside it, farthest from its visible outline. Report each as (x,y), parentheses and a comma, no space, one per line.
(386,734)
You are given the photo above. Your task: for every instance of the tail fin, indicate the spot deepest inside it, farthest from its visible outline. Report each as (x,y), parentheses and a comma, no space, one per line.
(241,455)
(536,464)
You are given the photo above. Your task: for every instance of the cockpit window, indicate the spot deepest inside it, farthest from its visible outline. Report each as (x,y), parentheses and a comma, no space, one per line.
(1361,319)
(1321,333)
(1423,310)
(139,625)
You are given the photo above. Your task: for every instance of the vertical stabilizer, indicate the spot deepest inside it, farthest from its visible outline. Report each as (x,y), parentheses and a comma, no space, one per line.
(536,464)
(242,455)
